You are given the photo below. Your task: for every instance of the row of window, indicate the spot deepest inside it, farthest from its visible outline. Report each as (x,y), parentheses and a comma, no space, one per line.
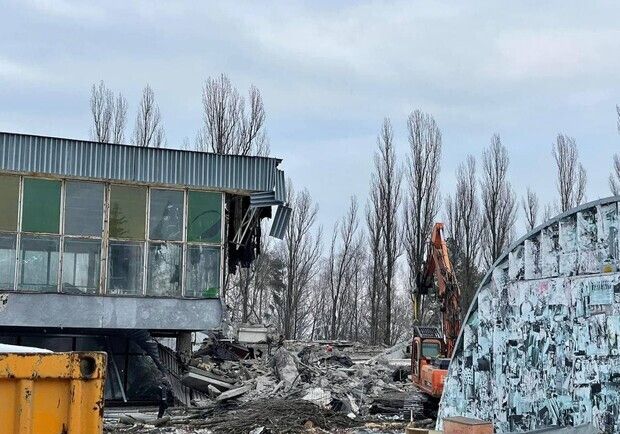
(62,235)
(39,259)
(83,210)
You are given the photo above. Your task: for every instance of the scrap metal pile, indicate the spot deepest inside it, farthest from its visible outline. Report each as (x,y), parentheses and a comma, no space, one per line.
(287,387)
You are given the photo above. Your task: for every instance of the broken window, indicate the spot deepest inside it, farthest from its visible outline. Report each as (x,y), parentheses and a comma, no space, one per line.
(164,270)
(127,212)
(41,206)
(38,263)
(81,260)
(166,215)
(125,268)
(202,272)
(7,260)
(83,208)
(204,218)
(9,200)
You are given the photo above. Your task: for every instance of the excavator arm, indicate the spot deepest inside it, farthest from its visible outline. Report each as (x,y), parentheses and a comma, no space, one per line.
(438,268)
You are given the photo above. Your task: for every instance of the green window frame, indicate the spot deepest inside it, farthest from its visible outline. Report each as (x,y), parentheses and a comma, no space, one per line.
(127,212)
(41,206)
(9,202)
(204,217)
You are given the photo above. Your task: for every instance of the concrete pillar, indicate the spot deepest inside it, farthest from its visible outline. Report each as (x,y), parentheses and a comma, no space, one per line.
(184,345)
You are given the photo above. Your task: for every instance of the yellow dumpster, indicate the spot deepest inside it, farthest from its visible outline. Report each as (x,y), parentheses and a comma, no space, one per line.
(56,393)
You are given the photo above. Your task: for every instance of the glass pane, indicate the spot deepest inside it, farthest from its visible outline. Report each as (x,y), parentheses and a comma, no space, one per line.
(39,263)
(127,212)
(7,261)
(430,349)
(83,208)
(9,198)
(80,266)
(164,273)
(204,216)
(166,215)
(41,211)
(125,272)
(203,271)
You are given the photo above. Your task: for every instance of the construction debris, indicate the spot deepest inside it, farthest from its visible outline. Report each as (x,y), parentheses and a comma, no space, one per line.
(290,388)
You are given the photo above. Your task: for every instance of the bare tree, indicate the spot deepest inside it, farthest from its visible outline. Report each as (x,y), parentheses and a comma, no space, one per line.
(422,201)
(248,294)
(109,116)
(530,209)
(464,227)
(301,254)
(498,201)
(388,176)
(571,176)
(403,317)
(614,178)
(227,127)
(119,119)
(148,131)
(547,212)
(344,250)
(374,222)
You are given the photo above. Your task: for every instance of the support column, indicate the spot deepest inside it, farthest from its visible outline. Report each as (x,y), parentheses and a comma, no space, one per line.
(184,345)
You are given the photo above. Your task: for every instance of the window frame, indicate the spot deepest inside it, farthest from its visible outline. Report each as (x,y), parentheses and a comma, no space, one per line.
(105,239)
(20,264)
(187,243)
(19,200)
(61,205)
(64,235)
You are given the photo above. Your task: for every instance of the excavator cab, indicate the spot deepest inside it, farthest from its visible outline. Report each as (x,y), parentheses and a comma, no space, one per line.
(429,366)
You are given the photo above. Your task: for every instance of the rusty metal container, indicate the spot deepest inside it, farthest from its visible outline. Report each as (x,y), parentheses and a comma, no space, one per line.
(52,393)
(466,425)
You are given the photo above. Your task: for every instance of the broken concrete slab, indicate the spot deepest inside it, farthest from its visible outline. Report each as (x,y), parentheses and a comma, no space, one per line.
(200,379)
(285,366)
(318,396)
(234,393)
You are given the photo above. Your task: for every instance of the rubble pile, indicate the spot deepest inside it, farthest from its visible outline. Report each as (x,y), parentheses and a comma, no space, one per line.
(316,373)
(291,386)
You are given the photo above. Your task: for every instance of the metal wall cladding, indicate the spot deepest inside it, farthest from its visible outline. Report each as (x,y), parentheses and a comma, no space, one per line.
(280,222)
(281,193)
(74,158)
(540,345)
(263,199)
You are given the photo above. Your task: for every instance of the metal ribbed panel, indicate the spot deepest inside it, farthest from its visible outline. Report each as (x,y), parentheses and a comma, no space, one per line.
(75,158)
(280,221)
(280,186)
(262,199)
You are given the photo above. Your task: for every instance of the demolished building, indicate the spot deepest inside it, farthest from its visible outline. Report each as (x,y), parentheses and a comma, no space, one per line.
(540,344)
(104,245)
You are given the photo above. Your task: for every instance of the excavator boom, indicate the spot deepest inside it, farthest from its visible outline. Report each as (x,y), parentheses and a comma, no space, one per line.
(438,268)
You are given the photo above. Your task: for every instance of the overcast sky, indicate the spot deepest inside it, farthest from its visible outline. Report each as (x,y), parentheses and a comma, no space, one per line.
(330,74)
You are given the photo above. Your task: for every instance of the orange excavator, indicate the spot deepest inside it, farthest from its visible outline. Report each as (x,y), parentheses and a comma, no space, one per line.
(432,346)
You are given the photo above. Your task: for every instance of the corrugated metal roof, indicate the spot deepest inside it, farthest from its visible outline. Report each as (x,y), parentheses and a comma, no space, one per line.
(78,158)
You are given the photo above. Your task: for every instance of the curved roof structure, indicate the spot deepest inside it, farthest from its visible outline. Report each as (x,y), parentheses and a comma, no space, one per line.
(540,345)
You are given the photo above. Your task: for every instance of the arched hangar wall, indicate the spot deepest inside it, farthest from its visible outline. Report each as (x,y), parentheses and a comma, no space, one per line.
(540,345)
